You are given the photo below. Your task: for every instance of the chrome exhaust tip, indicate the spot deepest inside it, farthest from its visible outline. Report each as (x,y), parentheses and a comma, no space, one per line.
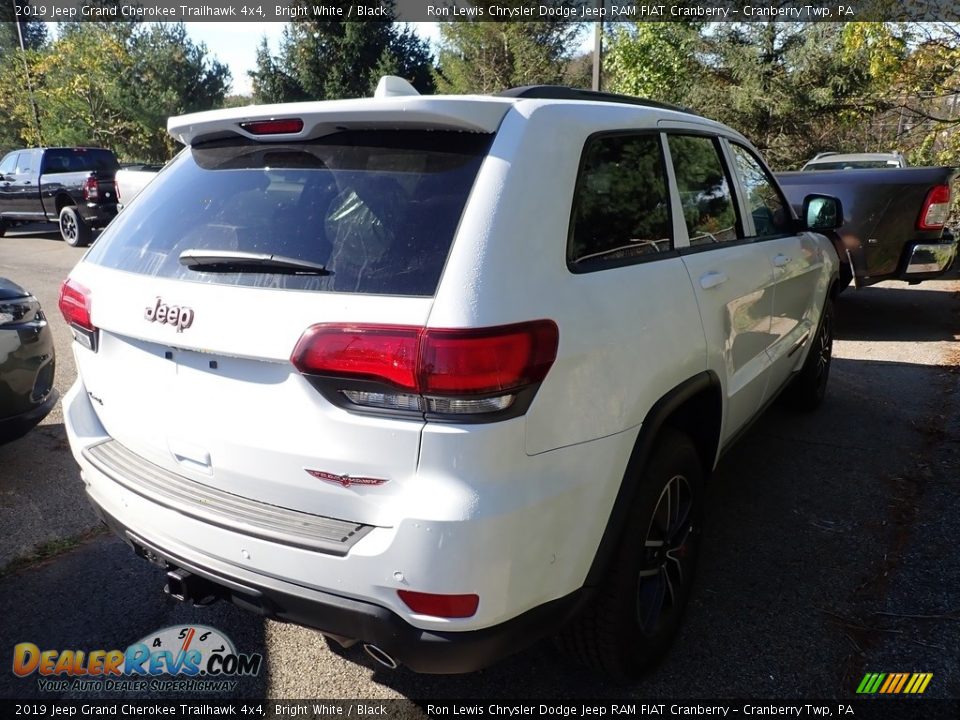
(381,656)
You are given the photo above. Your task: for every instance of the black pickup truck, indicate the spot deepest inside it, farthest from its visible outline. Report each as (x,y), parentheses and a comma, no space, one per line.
(75,187)
(894,220)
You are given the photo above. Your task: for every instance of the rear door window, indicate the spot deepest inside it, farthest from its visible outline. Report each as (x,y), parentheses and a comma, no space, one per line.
(377,209)
(770,212)
(708,206)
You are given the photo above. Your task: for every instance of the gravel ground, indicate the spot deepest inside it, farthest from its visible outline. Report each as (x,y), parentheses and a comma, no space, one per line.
(830,549)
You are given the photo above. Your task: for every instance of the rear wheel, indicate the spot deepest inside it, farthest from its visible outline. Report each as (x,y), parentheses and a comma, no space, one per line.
(74,231)
(807,389)
(3,227)
(630,624)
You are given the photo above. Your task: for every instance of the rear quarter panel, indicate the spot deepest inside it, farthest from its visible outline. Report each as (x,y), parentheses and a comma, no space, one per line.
(627,335)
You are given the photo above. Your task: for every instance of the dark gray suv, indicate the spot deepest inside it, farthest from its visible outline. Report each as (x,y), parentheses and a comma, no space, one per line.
(27,362)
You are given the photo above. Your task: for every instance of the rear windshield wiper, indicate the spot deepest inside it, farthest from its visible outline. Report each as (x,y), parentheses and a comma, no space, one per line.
(234,261)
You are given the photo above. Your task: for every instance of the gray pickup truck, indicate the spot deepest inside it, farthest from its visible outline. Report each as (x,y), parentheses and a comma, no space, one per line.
(74,187)
(895,220)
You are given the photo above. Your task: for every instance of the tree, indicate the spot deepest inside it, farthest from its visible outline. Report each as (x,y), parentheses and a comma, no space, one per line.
(325,60)
(654,59)
(112,84)
(34,33)
(487,57)
(169,75)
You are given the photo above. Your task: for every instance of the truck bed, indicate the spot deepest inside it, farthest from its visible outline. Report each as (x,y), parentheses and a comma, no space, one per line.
(881,210)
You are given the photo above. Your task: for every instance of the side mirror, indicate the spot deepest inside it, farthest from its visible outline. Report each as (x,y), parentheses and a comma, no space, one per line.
(822,212)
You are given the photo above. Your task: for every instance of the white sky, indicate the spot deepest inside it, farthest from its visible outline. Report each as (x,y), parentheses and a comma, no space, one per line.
(235,44)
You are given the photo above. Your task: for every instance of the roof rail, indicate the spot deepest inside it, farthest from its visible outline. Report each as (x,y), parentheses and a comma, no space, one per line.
(825,154)
(560,92)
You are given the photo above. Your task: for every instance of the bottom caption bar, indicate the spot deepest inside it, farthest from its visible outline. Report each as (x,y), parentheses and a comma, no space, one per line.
(880,708)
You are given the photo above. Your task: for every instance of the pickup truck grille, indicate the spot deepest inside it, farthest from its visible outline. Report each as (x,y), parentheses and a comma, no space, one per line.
(243,515)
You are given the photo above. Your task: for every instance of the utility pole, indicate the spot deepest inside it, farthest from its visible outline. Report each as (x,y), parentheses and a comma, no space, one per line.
(26,72)
(598,49)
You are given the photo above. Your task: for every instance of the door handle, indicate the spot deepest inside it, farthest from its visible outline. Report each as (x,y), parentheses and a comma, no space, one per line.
(781,261)
(712,280)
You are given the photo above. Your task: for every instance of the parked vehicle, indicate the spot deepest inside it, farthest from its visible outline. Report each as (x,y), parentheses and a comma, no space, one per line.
(442,375)
(27,362)
(132,179)
(73,187)
(894,220)
(855,161)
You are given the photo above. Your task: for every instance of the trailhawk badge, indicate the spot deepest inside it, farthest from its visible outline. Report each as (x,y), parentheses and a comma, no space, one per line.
(176,315)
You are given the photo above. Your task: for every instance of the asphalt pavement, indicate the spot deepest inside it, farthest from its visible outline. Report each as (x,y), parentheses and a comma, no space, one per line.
(830,549)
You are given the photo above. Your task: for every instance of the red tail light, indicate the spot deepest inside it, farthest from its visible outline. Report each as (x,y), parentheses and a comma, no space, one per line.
(75,303)
(285,126)
(936,208)
(90,189)
(442,371)
(445,606)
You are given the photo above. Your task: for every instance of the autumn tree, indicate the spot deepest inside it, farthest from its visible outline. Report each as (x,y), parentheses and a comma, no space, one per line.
(112,84)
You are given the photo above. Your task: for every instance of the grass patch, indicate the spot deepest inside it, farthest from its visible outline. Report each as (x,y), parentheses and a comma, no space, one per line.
(51,549)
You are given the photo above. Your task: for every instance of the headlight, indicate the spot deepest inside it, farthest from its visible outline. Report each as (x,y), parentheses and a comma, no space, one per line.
(20,311)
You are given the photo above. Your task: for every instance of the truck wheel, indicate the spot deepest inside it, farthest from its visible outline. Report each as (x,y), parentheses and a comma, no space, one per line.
(629,625)
(807,389)
(74,231)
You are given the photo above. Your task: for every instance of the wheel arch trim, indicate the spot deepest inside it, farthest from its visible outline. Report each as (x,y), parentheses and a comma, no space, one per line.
(655,420)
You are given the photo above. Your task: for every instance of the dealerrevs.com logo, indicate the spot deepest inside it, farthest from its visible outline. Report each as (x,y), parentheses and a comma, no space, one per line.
(189,659)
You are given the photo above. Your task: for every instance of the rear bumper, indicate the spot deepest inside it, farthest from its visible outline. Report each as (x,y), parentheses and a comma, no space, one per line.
(497,543)
(97,214)
(928,260)
(424,651)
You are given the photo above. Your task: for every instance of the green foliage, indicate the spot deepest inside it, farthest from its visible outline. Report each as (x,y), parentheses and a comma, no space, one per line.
(111,84)
(797,89)
(326,60)
(487,57)
(653,60)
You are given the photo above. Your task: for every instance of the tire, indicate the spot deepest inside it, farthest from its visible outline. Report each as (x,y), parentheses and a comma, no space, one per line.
(74,231)
(629,625)
(807,389)
(3,227)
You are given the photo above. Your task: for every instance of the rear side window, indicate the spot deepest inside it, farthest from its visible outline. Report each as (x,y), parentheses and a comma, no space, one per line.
(621,210)
(708,206)
(377,209)
(59,160)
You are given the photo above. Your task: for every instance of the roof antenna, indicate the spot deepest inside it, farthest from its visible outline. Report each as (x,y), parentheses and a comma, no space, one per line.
(393,86)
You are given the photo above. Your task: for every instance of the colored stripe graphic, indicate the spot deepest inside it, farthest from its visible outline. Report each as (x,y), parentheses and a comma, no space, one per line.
(903,679)
(894,683)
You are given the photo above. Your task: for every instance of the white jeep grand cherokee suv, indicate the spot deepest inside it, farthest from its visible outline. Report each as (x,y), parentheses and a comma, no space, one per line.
(442,375)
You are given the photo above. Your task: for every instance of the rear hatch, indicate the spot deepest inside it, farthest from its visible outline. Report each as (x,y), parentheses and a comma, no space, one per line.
(200,292)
